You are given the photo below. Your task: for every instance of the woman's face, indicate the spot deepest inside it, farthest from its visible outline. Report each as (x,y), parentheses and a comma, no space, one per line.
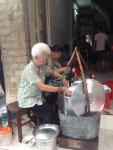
(56,55)
(40,61)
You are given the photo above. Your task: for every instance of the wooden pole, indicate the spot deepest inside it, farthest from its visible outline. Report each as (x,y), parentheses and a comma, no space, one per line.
(69,62)
(85,90)
(82,61)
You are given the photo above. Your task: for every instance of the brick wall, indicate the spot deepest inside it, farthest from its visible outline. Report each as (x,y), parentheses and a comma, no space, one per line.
(13,44)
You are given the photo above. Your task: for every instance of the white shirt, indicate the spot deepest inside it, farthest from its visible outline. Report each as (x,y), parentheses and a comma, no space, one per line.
(100,39)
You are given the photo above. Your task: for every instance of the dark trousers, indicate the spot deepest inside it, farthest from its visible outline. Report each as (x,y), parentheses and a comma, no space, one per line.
(45,112)
(52,99)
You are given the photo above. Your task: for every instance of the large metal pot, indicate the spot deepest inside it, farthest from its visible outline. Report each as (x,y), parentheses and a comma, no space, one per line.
(82,127)
(75,105)
(45,136)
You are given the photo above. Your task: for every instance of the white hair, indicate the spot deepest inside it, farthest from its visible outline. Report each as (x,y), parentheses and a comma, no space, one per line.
(40,49)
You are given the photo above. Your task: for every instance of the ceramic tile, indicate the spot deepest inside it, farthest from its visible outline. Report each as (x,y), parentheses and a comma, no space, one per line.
(103,122)
(105,140)
(109,122)
(27,130)
(106,122)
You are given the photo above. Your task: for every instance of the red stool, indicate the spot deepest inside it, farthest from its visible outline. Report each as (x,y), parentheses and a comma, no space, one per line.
(109,96)
(107,103)
(109,83)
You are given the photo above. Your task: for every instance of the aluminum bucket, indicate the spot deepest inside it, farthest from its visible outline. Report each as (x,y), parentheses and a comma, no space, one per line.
(46,136)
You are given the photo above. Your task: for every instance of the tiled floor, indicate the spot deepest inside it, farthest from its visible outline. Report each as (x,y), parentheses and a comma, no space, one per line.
(105,140)
(106,126)
(105,136)
(104,76)
(18,146)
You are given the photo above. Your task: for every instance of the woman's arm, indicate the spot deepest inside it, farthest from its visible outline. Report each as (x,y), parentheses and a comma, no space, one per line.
(60,70)
(47,88)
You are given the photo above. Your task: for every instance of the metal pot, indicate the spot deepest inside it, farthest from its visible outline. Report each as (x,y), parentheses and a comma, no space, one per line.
(75,105)
(82,127)
(45,136)
(65,105)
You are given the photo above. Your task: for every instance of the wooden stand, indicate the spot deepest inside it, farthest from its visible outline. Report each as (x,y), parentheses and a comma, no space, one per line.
(80,61)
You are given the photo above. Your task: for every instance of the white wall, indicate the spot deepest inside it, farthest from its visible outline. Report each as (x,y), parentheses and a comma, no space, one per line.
(59,21)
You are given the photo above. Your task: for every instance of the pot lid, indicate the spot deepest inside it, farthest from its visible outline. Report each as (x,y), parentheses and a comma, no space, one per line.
(96,97)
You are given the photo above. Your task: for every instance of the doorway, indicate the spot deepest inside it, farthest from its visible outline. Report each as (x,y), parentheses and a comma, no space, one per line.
(35,21)
(49,21)
(2,98)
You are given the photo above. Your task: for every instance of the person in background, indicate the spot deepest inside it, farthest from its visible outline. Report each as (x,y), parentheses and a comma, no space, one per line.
(100,41)
(52,62)
(89,51)
(32,83)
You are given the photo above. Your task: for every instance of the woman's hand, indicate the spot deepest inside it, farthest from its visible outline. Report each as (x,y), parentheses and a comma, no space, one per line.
(63,69)
(66,91)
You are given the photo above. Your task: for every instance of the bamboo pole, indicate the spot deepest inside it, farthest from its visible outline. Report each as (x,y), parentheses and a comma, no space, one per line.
(83,61)
(85,90)
(69,62)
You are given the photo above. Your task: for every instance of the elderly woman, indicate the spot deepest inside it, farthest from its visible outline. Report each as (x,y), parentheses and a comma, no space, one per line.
(32,83)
